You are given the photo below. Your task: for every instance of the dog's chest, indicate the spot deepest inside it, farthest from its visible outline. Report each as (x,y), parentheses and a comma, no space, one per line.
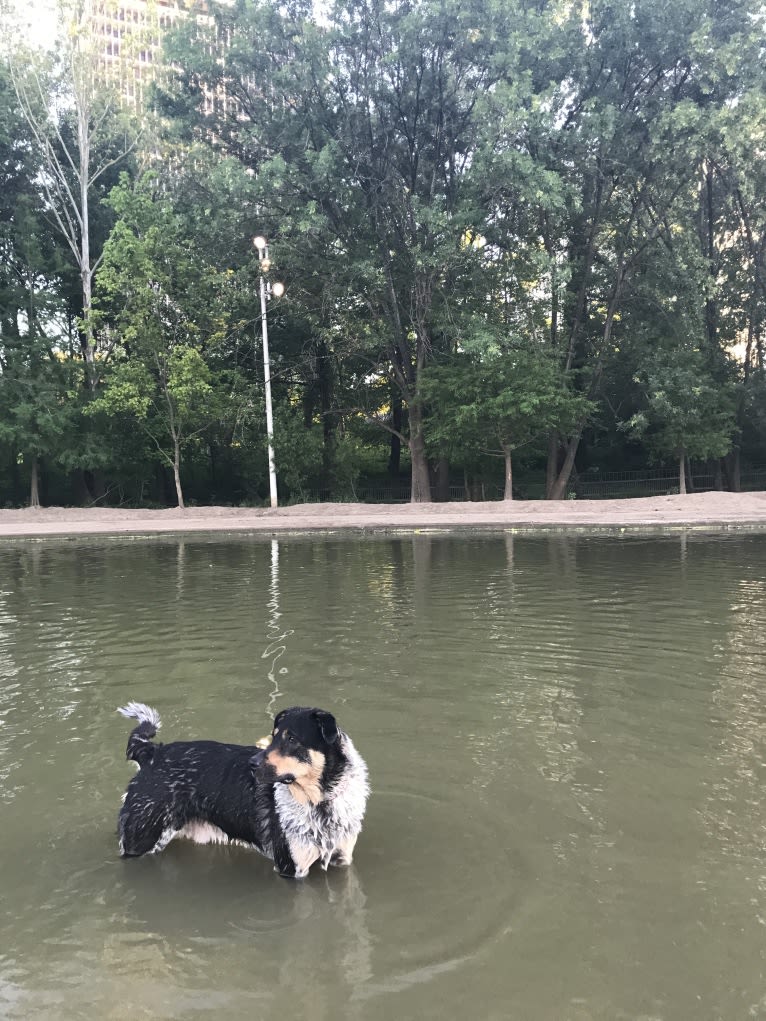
(323,826)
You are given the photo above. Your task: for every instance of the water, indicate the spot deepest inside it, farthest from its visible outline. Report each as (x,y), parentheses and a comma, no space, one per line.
(567,744)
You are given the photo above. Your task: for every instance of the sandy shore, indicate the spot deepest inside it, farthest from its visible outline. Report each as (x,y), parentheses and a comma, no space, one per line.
(707,511)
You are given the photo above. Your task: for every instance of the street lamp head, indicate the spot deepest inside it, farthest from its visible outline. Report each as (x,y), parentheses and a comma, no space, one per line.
(265,265)
(260,243)
(277,289)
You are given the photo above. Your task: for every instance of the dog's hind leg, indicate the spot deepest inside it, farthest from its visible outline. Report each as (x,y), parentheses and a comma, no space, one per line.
(143,830)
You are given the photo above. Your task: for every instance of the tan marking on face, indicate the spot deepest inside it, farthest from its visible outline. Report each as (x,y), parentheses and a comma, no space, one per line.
(284,763)
(308,775)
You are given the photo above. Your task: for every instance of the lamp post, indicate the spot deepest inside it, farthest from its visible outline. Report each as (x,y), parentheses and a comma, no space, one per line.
(267,289)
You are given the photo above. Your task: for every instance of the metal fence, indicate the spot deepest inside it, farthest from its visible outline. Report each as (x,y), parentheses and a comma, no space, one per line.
(654,482)
(401,494)
(586,486)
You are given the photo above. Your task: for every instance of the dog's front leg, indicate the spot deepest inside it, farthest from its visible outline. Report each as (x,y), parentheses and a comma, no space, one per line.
(344,852)
(304,856)
(293,860)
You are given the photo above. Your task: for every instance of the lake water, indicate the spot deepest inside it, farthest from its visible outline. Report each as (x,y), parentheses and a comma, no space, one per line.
(567,746)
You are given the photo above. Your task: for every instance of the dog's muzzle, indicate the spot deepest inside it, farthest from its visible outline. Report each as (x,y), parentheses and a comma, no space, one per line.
(264,772)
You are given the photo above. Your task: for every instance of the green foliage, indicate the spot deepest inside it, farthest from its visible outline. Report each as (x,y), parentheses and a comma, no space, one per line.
(372,171)
(168,310)
(298,453)
(686,410)
(33,413)
(502,226)
(504,400)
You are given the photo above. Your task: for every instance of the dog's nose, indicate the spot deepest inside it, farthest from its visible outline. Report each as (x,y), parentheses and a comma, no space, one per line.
(258,760)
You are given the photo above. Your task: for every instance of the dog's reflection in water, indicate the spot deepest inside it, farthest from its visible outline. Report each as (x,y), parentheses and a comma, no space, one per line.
(203,916)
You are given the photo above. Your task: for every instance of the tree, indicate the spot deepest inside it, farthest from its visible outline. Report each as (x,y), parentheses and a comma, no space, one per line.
(362,135)
(33,378)
(80,136)
(33,414)
(687,413)
(497,403)
(172,401)
(434,178)
(623,121)
(164,307)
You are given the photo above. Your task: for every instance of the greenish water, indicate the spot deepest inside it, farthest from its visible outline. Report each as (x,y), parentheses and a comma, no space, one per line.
(567,746)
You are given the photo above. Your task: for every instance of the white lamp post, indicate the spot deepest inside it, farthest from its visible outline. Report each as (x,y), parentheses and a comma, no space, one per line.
(267,289)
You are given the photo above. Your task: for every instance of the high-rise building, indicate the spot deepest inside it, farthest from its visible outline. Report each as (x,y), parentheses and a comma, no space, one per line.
(128,36)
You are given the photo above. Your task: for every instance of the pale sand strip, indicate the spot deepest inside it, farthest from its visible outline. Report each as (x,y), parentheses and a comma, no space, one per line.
(713,511)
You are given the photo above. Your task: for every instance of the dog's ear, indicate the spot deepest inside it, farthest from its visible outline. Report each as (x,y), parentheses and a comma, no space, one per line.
(327,725)
(278,717)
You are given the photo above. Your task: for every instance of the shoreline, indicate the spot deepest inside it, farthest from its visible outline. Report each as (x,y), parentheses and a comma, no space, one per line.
(741,512)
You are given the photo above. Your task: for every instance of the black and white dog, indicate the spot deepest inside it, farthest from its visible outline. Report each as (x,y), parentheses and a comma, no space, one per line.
(298,801)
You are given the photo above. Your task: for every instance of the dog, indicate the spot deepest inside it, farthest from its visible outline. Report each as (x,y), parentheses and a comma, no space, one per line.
(298,801)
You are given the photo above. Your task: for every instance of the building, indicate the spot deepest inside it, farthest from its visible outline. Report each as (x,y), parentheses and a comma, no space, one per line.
(128,37)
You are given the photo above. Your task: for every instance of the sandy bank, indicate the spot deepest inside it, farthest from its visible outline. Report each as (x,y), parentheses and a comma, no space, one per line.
(714,511)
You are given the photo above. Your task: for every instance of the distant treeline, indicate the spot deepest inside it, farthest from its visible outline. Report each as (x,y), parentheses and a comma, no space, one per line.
(519,241)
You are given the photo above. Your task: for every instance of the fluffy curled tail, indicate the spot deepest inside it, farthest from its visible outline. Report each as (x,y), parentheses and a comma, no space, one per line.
(140,749)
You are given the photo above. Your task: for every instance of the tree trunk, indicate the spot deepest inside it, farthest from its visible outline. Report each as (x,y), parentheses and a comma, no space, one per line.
(87,336)
(552,467)
(212,460)
(442,480)
(689,477)
(421,481)
(16,488)
(682,472)
(34,485)
(508,494)
(86,268)
(82,493)
(395,450)
(732,463)
(711,309)
(96,483)
(177,473)
(559,488)
(558,492)
(718,483)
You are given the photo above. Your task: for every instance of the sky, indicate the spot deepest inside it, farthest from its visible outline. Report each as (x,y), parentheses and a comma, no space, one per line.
(37,19)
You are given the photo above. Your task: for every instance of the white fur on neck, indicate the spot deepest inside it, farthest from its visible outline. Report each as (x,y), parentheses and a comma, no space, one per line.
(342,810)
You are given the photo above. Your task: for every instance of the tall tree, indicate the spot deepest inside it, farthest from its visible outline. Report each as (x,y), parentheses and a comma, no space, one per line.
(687,413)
(362,134)
(498,403)
(80,134)
(166,309)
(33,379)
(623,124)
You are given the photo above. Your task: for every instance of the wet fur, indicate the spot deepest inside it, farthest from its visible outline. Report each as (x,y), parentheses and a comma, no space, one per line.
(300,800)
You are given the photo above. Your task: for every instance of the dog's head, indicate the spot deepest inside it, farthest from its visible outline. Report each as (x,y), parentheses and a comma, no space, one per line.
(302,742)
